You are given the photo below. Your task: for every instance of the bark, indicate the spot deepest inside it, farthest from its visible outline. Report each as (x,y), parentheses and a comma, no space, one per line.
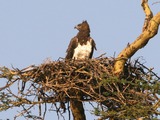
(150,29)
(77,109)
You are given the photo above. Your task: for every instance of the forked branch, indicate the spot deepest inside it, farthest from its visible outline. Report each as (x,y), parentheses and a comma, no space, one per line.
(150,29)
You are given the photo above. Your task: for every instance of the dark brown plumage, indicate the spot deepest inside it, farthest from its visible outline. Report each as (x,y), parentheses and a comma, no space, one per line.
(82,45)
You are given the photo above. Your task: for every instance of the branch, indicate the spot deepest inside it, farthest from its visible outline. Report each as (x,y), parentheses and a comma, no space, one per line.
(148,12)
(149,30)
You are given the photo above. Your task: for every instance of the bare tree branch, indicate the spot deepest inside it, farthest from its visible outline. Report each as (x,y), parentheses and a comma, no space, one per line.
(150,29)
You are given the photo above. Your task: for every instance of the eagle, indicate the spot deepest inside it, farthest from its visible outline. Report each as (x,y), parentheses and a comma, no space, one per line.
(81,46)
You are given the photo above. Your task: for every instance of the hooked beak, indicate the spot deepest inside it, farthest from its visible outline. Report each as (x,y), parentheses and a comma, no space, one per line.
(76,27)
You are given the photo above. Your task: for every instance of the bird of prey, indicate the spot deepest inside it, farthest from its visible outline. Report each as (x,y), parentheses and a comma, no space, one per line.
(82,45)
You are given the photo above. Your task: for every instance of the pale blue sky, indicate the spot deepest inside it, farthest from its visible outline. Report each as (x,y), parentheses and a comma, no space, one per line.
(33,30)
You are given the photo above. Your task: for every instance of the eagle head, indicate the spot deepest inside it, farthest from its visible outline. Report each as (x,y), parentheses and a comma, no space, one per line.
(84,26)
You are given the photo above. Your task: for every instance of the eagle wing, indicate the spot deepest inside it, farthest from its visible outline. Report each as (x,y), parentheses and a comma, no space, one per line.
(93,47)
(72,45)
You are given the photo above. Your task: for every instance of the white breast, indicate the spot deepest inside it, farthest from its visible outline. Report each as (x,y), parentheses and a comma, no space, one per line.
(82,51)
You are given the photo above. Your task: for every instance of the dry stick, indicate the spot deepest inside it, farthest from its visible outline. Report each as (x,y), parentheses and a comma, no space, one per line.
(8,85)
(155,2)
(156,105)
(23,112)
(149,70)
(150,29)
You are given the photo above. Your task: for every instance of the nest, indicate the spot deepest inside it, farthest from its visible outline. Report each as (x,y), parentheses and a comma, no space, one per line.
(87,80)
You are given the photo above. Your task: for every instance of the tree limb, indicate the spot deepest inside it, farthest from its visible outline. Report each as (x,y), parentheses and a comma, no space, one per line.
(150,29)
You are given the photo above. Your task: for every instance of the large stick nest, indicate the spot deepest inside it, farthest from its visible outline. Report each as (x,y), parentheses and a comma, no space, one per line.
(88,80)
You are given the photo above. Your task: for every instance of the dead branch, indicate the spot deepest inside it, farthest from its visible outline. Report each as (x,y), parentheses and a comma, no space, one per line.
(150,29)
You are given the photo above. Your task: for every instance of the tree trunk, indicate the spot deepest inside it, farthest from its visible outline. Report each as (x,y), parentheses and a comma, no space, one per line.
(77,109)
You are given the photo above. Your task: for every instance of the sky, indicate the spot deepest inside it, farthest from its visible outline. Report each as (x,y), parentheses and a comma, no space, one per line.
(32,31)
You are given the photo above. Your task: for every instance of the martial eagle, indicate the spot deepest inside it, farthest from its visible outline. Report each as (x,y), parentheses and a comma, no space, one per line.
(82,45)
